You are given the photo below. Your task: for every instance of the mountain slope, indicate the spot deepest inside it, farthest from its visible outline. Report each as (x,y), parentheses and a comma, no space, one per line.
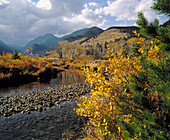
(47,40)
(35,49)
(16,47)
(76,33)
(112,34)
(96,45)
(50,40)
(5,48)
(86,33)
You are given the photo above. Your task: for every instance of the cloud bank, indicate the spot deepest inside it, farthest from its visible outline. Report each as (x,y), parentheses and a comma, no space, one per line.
(23,20)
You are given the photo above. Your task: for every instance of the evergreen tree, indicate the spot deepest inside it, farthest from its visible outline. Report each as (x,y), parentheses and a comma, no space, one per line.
(150,103)
(162,6)
(153,29)
(15,55)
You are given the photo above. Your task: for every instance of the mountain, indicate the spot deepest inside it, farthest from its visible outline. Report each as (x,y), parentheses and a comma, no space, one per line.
(5,48)
(76,33)
(112,34)
(166,23)
(94,41)
(40,44)
(48,40)
(85,33)
(16,47)
(35,49)
(118,36)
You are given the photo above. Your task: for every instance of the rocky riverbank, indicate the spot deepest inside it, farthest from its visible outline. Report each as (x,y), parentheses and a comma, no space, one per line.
(46,115)
(56,123)
(41,100)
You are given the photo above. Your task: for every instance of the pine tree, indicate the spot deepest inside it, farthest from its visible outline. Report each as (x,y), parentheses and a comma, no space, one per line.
(15,55)
(162,6)
(150,103)
(153,29)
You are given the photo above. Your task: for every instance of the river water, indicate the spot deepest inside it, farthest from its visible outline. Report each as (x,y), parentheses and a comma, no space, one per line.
(52,124)
(62,78)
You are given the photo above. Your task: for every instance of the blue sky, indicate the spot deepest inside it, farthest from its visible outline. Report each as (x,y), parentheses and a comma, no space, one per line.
(24,20)
(35,0)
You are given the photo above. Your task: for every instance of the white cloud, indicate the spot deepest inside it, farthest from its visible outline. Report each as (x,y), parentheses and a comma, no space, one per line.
(23,20)
(3,28)
(99,10)
(2,2)
(92,4)
(41,4)
(144,6)
(128,9)
(44,4)
(121,9)
(87,16)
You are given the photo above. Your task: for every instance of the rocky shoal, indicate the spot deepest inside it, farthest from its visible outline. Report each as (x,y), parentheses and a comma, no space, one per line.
(41,100)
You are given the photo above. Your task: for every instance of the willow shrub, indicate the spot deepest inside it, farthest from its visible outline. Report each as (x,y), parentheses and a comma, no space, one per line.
(130,97)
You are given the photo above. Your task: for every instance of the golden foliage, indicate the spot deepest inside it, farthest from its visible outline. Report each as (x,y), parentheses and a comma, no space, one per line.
(25,64)
(108,84)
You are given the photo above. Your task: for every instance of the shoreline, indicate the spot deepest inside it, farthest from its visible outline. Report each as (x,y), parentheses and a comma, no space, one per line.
(45,114)
(20,79)
(60,123)
(41,100)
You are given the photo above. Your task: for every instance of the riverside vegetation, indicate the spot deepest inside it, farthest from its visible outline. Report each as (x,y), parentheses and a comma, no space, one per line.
(130,96)
(26,69)
(130,99)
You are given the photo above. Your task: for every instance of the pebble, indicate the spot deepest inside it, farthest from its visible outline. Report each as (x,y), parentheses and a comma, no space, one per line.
(40,100)
(49,117)
(52,124)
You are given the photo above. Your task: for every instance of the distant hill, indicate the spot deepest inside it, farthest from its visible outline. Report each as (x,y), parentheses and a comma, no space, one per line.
(94,41)
(166,23)
(121,36)
(35,49)
(85,33)
(41,43)
(16,47)
(112,34)
(76,33)
(5,48)
(48,40)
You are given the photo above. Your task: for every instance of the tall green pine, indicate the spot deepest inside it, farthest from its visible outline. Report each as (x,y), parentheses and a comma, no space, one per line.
(150,118)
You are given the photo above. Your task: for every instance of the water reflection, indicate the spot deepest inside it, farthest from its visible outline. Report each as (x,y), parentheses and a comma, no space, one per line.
(61,78)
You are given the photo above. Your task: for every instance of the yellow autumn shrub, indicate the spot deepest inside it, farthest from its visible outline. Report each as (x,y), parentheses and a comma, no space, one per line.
(26,64)
(102,106)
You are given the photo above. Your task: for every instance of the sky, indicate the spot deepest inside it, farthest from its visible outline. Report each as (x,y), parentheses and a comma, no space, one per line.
(24,20)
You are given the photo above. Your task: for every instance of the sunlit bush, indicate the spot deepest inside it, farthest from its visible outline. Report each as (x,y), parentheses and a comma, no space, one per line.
(23,65)
(129,99)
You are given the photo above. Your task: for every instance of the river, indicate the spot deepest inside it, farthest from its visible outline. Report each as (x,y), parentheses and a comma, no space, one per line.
(62,78)
(55,123)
